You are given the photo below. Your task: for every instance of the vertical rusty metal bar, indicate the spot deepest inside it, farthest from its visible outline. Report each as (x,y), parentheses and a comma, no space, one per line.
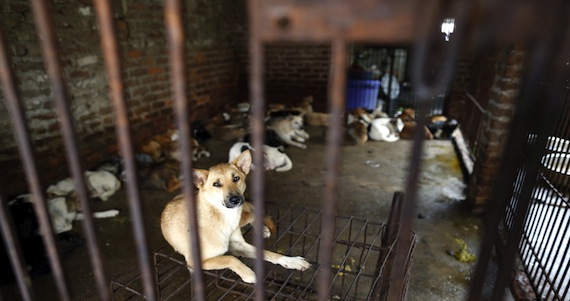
(55,73)
(176,40)
(257,126)
(12,245)
(113,66)
(336,94)
(424,92)
(8,85)
(26,153)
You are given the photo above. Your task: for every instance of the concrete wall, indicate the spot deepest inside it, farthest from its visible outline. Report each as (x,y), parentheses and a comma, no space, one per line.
(216,42)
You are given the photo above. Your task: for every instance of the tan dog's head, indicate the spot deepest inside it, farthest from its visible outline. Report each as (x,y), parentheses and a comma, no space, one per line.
(154,150)
(224,184)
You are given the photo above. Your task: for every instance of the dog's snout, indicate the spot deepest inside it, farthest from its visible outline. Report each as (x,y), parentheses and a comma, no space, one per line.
(234,201)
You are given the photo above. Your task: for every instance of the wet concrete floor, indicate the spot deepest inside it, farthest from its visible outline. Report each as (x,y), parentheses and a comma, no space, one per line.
(370,174)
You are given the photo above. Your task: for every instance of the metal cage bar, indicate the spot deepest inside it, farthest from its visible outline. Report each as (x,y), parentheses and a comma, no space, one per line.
(10,93)
(257,128)
(176,40)
(113,66)
(54,69)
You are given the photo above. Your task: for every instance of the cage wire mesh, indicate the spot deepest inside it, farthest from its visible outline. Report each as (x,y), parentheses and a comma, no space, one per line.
(361,263)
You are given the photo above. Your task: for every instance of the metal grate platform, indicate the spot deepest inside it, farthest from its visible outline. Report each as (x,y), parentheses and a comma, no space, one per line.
(362,260)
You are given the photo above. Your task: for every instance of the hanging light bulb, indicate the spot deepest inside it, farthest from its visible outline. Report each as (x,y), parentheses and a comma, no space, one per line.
(447,27)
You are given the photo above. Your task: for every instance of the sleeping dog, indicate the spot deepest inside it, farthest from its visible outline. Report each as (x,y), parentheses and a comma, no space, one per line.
(289,129)
(100,183)
(273,157)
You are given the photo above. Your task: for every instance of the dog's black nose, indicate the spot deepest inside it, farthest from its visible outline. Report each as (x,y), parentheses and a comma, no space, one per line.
(234,201)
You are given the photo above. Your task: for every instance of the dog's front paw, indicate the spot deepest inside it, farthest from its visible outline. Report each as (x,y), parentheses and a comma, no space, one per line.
(247,276)
(294,263)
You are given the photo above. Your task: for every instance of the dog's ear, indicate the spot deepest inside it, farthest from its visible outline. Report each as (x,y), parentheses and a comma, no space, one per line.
(243,161)
(199,176)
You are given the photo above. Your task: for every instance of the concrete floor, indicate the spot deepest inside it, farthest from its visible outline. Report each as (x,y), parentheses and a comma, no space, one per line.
(366,191)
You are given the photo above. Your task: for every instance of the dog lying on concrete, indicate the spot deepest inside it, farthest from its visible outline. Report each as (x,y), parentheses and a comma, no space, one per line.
(289,129)
(100,183)
(273,157)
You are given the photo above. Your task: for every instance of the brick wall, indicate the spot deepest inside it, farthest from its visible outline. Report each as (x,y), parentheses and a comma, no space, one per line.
(216,39)
(495,126)
(295,70)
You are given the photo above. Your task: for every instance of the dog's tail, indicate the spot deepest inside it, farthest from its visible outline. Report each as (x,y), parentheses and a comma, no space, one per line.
(268,222)
(100,214)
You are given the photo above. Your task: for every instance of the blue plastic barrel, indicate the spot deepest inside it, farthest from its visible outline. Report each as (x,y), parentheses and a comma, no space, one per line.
(361,93)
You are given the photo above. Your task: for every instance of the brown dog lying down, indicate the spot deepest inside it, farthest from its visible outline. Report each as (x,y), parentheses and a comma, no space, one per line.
(408,116)
(166,146)
(222,211)
(163,175)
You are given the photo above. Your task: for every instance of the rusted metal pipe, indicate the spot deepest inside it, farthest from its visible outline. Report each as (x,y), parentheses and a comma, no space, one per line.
(176,40)
(8,85)
(113,66)
(54,69)
(257,125)
(336,93)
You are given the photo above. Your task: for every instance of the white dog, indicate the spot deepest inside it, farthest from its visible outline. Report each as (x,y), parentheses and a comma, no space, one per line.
(273,157)
(64,210)
(101,184)
(382,129)
(289,129)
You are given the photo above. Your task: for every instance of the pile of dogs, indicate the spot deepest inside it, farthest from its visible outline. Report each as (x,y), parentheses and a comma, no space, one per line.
(364,125)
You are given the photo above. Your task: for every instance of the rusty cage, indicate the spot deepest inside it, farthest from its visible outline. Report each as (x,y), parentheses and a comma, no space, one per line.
(525,195)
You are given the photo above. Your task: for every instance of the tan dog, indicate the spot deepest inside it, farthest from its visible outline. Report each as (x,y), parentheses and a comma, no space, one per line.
(311,117)
(163,175)
(221,211)
(289,129)
(157,146)
(408,116)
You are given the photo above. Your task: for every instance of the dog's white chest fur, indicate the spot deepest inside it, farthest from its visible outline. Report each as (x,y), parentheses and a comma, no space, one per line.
(218,242)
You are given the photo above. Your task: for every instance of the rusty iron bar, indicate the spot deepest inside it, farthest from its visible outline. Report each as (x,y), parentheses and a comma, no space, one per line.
(10,92)
(113,66)
(12,245)
(176,40)
(257,126)
(54,69)
(409,205)
(424,91)
(336,92)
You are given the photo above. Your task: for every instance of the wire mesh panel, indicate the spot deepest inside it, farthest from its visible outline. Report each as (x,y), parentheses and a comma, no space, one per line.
(546,238)
(362,259)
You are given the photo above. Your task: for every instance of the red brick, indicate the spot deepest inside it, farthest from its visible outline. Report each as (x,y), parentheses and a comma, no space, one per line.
(155,70)
(135,54)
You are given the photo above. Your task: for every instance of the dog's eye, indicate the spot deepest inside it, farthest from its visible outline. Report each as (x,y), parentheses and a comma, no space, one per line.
(217,184)
(236,178)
